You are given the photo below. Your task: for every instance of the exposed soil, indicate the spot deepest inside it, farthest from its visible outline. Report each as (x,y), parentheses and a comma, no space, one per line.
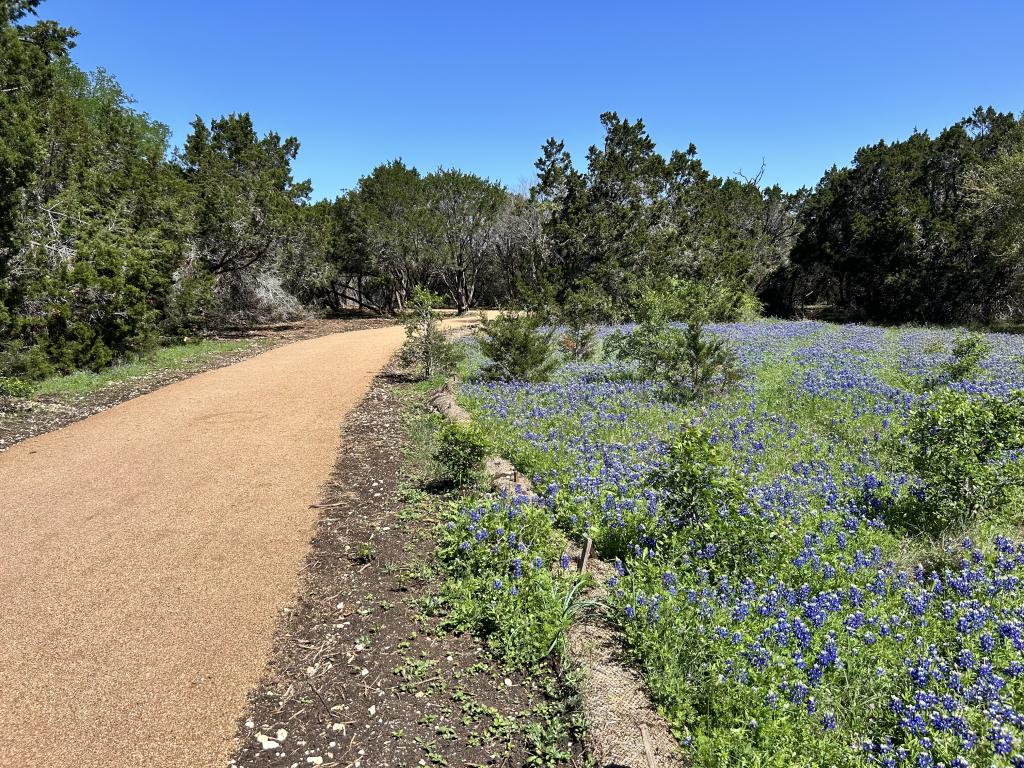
(22,419)
(360,676)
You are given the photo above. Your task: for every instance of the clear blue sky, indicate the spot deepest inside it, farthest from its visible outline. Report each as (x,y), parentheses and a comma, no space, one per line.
(481,85)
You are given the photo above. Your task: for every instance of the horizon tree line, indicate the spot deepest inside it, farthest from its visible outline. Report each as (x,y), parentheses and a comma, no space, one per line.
(111,240)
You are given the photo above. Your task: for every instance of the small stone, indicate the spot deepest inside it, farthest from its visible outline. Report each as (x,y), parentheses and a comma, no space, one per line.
(281,734)
(315,760)
(373,710)
(270,744)
(508,683)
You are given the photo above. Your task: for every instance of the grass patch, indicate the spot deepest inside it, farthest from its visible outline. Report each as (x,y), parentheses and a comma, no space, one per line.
(170,358)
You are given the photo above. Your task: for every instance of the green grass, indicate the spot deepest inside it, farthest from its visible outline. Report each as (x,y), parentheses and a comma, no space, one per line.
(170,358)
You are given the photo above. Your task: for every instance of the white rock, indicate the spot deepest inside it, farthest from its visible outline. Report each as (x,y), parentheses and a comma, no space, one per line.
(270,744)
(281,734)
(315,760)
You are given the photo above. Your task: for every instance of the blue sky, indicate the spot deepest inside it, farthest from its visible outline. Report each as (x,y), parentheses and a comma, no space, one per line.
(481,85)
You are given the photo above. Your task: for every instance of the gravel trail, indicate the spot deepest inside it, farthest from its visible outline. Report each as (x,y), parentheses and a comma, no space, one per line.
(146,554)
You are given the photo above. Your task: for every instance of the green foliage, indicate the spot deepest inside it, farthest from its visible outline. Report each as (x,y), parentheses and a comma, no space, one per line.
(694,478)
(192,301)
(10,387)
(27,55)
(243,198)
(89,287)
(707,503)
(715,302)
(692,364)
(522,609)
(577,315)
(461,449)
(518,347)
(26,363)
(454,231)
(464,208)
(705,301)
(969,352)
(955,444)
(426,346)
(920,229)
(636,217)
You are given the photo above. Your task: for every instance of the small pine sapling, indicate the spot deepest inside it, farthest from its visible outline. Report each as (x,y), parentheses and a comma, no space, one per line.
(427,347)
(518,347)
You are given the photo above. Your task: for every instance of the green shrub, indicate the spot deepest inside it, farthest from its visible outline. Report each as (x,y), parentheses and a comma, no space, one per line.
(957,445)
(99,308)
(694,477)
(426,347)
(517,347)
(10,387)
(705,503)
(192,301)
(969,351)
(577,315)
(692,364)
(28,363)
(460,452)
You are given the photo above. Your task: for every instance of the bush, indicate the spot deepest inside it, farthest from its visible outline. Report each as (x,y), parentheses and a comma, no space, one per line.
(517,347)
(577,316)
(92,311)
(28,363)
(14,387)
(426,346)
(461,449)
(969,351)
(692,364)
(706,505)
(958,446)
(192,301)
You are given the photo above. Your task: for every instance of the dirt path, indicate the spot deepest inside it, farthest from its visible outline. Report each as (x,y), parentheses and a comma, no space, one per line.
(145,554)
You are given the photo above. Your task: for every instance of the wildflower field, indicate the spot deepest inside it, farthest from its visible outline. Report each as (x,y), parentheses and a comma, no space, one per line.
(768,589)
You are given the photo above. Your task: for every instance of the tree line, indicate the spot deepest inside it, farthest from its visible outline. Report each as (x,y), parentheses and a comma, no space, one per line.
(111,239)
